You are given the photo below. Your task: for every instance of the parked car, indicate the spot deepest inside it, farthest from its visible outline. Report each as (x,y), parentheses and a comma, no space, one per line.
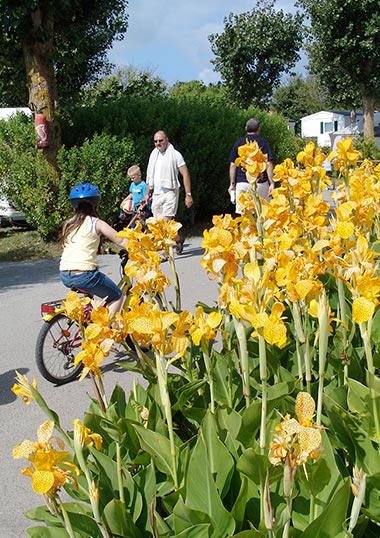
(10,215)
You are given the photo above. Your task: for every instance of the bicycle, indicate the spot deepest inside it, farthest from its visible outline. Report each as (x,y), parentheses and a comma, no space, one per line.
(60,339)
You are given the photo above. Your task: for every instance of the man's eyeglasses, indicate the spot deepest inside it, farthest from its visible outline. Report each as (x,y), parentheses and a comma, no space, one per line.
(158,140)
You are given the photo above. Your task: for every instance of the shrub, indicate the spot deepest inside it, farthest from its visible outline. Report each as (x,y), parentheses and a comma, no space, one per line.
(28,180)
(104,161)
(26,176)
(202,130)
(102,141)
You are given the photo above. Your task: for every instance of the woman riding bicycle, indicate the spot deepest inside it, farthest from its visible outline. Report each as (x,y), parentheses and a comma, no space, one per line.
(81,239)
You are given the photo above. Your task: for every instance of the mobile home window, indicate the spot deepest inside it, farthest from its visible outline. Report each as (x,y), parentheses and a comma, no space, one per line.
(328,126)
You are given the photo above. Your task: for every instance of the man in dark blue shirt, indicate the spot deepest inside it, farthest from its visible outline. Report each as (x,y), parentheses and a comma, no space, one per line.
(238,180)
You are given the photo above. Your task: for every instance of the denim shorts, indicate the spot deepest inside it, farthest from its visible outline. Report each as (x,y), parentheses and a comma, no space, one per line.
(93,282)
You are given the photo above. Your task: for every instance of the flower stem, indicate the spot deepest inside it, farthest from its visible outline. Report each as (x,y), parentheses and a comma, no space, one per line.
(98,392)
(243,353)
(343,317)
(365,334)
(165,400)
(67,521)
(92,490)
(119,473)
(175,280)
(206,356)
(323,318)
(264,392)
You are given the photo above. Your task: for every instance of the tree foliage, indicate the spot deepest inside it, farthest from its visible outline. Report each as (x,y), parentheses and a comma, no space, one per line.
(344,50)
(126,82)
(300,96)
(253,51)
(72,36)
(195,89)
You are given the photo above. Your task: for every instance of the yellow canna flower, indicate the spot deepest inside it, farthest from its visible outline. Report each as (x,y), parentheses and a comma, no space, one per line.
(305,408)
(362,309)
(75,306)
(252,159)
(22,389)
(50,468)
(274,329)
(310,156)
(345,229)
(296,441)
(204,327)
(84,436)
(92,357)
(163,232)
(179,337)
(344,155)
(155,325)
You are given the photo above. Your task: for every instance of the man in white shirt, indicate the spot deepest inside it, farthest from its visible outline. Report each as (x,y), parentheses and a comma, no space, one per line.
(162,178)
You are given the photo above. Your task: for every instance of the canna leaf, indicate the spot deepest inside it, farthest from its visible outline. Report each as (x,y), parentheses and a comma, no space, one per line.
(331,521)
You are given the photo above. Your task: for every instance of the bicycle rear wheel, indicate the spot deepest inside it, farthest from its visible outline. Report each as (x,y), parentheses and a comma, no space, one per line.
(58,343)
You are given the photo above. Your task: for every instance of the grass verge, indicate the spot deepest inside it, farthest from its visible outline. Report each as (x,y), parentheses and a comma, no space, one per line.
(17,244)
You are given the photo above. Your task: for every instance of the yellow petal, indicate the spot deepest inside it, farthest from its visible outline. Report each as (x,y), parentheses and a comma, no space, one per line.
(214,319)
(142,324)
(362,310)
(42,481)
(309,439)
(305,407)
(45,431)
(303,287)
(345,229)
(23,450)
(252,271)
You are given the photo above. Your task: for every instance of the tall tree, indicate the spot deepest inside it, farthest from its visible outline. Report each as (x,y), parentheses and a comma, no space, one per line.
(195,89)
(299,96)
(50,48)
(126,81)
(344,51)
(254,50)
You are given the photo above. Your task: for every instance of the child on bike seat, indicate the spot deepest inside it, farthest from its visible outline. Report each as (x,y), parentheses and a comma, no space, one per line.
(81,239)
(137,193)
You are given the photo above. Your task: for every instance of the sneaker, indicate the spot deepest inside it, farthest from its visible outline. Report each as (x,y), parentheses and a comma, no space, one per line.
(163,258)
(179,244)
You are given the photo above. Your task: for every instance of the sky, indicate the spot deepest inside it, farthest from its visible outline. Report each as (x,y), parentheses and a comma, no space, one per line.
(170,37)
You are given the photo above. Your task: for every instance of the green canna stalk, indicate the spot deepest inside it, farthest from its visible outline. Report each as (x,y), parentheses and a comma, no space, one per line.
(344,319)
(365,331)
(243,355)
(264,391)
(93,492)
(162,377)
(175,280)
(207,359)
(323,319)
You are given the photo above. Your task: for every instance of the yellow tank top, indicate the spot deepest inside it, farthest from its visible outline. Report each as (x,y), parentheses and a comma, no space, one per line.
(81,248)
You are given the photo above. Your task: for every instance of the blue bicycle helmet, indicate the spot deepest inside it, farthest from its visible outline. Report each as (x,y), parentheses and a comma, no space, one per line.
(84,192)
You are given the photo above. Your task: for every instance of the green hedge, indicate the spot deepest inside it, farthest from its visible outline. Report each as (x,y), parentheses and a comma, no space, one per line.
(102,141)
(202,130)
(26,177)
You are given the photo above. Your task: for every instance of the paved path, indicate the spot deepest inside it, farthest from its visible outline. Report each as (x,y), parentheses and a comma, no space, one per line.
(23,287)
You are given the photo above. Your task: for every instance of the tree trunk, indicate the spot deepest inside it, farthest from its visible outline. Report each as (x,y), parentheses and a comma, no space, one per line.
(42,86)
(368,112)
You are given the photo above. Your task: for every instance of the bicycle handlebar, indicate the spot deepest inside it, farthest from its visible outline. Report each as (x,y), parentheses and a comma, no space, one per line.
(123,255)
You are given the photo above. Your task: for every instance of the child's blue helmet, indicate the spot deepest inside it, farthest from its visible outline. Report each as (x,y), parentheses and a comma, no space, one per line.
(85,192)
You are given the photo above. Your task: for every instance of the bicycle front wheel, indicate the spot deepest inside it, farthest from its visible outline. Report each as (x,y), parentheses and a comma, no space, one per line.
(58,343)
